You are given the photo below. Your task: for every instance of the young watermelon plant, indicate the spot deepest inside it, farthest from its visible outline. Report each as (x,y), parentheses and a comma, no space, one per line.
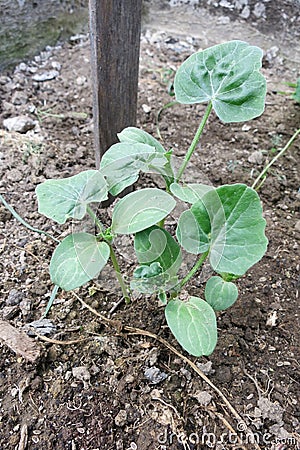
(223,226)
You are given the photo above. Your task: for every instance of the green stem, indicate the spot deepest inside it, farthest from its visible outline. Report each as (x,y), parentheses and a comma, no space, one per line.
(265,170)
(23,222)
(112,256)
(95,218)
(194,142)
(119,275)
(194,269)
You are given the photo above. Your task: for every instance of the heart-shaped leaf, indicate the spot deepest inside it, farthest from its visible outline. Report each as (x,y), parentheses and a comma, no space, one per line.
(77,259)
(155,244)
(68,197)
(228,76)
(156,247)
(194,325)
(190,193)
(228,220)
(135,135)
(140,210)
(122,163)
(220,294)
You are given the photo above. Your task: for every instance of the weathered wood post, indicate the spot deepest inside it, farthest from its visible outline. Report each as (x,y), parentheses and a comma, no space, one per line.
(115,27)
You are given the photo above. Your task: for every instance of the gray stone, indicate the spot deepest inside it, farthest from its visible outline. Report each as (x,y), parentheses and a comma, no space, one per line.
(43,326)
(14,297)
(203,397)
(256,157)
(45,76)
(155,375)
(259,10)
(121,418)
(245,12)
(14,175)
(20,124)
(82,373)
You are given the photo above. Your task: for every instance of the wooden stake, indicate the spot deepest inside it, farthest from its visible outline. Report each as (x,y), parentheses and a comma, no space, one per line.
(115,27)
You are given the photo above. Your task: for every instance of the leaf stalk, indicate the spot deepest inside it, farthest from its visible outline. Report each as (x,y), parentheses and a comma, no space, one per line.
(194,269)
(194,142)
(119,275)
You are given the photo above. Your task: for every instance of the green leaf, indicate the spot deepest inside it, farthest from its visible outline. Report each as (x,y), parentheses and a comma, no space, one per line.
(148,271)
(140,210)
(193,324)
(220,294)
(194,235)
(78,259)
(152,284)
(122,163)
(190,193)
(228,76)
(69,197)
(155,244)
(228,221)
(135,135)
(296,95)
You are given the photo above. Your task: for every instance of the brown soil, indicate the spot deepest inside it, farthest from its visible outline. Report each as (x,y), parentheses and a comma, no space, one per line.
(113,405)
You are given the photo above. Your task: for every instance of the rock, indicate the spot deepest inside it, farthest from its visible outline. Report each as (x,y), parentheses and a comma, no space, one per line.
(4,214)
(81,373)
(14,175)
(8,312)
(203,397)
(155,375)
(256,157)
(297,226)
(19,98)
(121,418)
(20,124)
(45,76)
(42,326)
(80,81)
(259,10)
(14,297)
(206,368)
(245,14)
(146,108)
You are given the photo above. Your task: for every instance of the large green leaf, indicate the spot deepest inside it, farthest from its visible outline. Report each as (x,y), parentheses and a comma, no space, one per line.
(228,76)
(160,258)
(190,193)
(122,163)
(194,325)
(135,135)
(228,221)
(220,294)
(68,197)
(194,235)
(77,259)
(140,210)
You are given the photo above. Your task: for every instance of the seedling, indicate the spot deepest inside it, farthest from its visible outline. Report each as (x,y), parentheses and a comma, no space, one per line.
(223,225)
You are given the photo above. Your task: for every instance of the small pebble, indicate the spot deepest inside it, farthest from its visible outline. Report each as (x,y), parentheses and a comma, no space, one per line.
(155,375)
(20,124)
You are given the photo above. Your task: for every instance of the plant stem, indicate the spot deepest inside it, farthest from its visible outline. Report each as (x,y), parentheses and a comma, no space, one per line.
(23,222)
(112,256)
(194,142)
(119,275)
(265,170)
(95,218)
(194,269)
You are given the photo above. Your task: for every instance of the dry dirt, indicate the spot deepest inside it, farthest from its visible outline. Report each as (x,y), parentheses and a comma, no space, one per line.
(110,403)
